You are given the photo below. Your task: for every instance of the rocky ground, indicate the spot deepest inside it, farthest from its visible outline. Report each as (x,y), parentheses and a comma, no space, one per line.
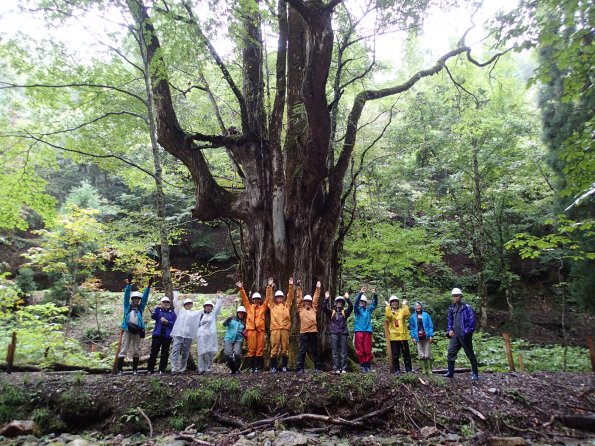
(299,409)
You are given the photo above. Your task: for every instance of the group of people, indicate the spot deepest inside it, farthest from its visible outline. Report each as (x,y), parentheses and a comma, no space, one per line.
(179,325)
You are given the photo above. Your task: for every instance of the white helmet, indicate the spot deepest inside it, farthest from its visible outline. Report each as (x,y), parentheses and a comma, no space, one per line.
(363,298)
(279,293)
(187,301)
(165,299)
(338,298)
(308,297)
(241,309)
(393,297)
(256,296)
(136,294)
(208,302)
(456,292)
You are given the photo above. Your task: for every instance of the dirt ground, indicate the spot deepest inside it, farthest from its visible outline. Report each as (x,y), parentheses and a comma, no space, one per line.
(534,406)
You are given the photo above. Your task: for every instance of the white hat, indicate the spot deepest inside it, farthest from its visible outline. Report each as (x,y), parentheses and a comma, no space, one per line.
(279,293)
(456,291)
(393,297)
(363,298)
(256,296)
(187,301)
(339,298)
(208,302)
(165,299)
(136,294)
(308,297)
(241,309)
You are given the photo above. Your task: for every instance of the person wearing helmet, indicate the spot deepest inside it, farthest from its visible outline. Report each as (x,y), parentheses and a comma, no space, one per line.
(206,337)
(337,315)
(422,333)
(254,327)
(280,323)
(362,328)
(133,324)
(183,333)
(397,317)
(234,338)
(460,328)
(307,310)
(164,317)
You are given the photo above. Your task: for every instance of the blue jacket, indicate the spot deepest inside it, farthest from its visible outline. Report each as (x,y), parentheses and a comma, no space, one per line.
(467,318)
(426,322)
(363,316)
(162,329)
(139,311)
(235,330)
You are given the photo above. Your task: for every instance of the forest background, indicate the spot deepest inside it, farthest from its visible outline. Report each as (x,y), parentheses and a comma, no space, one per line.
(477,173)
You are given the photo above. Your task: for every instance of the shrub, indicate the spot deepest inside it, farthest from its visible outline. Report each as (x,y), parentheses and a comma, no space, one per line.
(26,281)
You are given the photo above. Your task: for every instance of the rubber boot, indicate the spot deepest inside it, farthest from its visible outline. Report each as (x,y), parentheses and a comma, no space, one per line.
(451,370)
(252,364)
(284,363)
(135,365)
(120,365)
(273,365)
(430,366)
(259,363)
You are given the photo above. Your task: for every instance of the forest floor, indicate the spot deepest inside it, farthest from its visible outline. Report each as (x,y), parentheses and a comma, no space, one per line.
(259,409)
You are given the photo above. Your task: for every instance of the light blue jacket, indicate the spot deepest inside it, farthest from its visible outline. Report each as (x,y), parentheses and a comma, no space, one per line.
(139,311)
(363,316)
(235,330)
(426,321)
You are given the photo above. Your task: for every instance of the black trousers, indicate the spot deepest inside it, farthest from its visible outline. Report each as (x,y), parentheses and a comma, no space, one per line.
(396,348)
(466,343)
(309,341)
(159,343)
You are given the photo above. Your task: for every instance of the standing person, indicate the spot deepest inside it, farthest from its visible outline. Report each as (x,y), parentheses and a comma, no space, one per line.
(133,324)
(397,317)
(338,329)
(280,323)
(183,333)
(307,311)
(254,328)
(234,338)
(461,325)
(164,318)
(422,333)
(362,328)
(206,337)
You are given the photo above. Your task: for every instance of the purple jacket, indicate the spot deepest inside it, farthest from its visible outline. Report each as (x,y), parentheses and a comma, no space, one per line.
(162,329)
(338,323)
(467,318)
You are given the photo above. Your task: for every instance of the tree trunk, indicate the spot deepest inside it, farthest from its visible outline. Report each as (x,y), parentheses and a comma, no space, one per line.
(158,175)
(480,239)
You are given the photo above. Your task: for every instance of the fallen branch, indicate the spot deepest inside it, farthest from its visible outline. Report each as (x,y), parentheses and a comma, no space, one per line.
(585,422)
(477,413)
(230,421)
(144,415)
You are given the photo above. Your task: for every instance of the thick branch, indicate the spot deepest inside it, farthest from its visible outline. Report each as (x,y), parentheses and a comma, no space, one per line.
(222,67)
(340,168)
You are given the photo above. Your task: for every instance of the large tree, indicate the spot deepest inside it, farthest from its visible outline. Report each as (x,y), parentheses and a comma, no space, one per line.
(292,169)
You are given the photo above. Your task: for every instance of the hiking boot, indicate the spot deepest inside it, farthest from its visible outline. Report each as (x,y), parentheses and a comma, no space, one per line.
(451,370)
(120,365)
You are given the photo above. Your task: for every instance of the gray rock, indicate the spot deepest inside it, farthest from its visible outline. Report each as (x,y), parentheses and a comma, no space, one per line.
(453,437)
(429,431)
(78,442)
(251,435)
(269,435)
(243,441)
(289,438)
(493,390)
(177,443)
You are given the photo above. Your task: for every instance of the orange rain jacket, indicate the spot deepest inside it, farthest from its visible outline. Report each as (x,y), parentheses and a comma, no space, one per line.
(308,316)
(280,313)
(254,314)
